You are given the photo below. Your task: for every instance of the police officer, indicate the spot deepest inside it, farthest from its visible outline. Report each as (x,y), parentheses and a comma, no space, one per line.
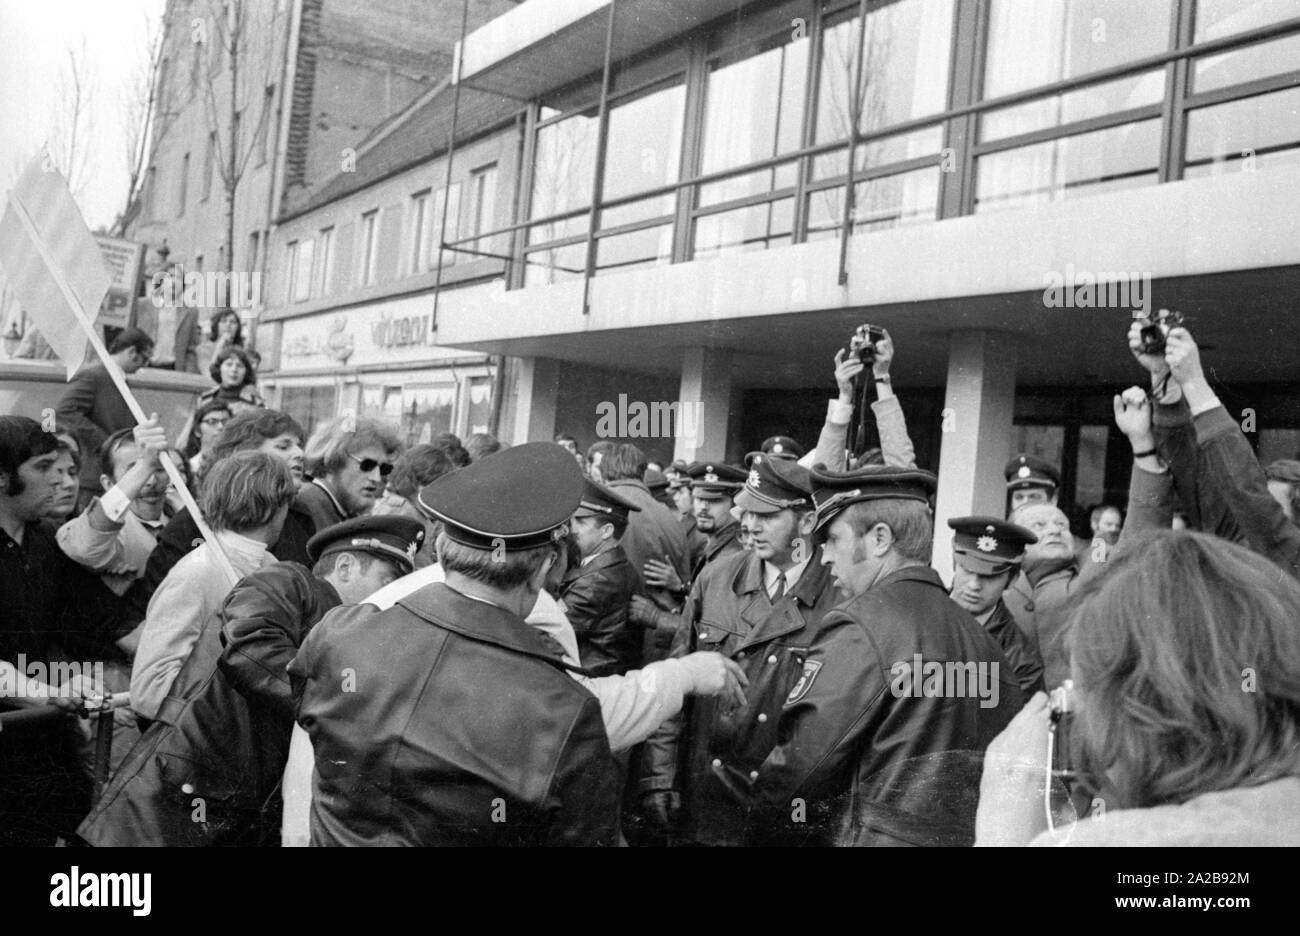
(224,729)
(1031,480)
(986,556)
(753,607)
(394,699)
(596,592)
(780,446)
(898,684)
(713,488)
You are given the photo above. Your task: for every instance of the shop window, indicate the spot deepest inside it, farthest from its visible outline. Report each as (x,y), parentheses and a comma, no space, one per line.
(478,412)
(310,406)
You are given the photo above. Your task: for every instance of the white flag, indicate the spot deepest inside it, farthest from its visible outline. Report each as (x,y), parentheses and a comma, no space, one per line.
(51,260)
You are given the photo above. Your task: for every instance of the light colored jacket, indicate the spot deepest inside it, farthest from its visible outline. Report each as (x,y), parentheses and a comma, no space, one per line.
(119,556)
(1264,815)
(192,590)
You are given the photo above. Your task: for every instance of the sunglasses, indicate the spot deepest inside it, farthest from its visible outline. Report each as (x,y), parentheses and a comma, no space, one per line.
(368,465)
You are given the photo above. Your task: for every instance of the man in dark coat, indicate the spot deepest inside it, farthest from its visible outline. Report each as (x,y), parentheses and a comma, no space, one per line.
(207,772)
(394,700)
(654,537)
(880,740)
(986,555)
(754,607)
(596,592)
(93,409)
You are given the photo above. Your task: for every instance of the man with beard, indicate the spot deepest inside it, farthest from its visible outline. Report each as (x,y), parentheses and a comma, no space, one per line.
(713,488)
(753,607)
(1040,598)
(872,748)
(349,461)
(986,555)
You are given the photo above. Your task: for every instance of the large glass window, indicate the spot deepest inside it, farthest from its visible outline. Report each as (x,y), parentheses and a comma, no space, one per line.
(885,202)
(446,202)
(905,53)
(1085,164)
(482,208)
(1246,64)
(1037,42)
(1059,109)
(644,151)
(753,110)
(1217,18)
(563,170)
(1262,131)
(756,227)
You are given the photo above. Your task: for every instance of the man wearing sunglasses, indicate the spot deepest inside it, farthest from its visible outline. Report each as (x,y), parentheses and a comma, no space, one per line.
(349,461)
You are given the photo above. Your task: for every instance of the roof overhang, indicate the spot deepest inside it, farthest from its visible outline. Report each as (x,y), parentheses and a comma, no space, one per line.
(543,45)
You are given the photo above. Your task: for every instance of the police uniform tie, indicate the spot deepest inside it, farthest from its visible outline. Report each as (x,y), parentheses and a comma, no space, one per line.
(779,588)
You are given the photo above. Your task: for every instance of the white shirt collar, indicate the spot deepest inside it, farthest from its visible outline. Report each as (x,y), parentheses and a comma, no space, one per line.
(771,572)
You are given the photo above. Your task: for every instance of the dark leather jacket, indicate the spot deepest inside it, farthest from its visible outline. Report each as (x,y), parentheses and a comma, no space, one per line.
(222,736)
(708,752)
(1021,652)
(869,754)
(596,598)
(449,721)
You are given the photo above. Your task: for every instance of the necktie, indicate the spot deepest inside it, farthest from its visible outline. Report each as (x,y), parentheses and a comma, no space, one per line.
(779,588)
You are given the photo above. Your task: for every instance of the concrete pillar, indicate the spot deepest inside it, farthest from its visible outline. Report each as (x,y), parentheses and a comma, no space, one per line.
(705,399)
(976,445)
(537,388)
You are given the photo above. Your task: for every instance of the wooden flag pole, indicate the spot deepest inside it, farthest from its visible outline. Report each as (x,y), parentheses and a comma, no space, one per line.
(119,380)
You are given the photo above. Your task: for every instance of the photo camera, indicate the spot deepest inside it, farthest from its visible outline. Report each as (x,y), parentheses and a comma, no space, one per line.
(1156,328)
(1060,707)
(863,343)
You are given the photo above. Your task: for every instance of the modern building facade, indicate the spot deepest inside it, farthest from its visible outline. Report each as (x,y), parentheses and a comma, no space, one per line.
(680,217)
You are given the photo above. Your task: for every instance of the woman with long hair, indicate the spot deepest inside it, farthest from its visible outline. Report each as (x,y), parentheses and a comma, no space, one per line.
(1185,660)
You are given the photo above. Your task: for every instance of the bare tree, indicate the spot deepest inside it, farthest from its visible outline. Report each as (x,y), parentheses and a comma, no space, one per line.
(147,109)
(69,141)
(236,25)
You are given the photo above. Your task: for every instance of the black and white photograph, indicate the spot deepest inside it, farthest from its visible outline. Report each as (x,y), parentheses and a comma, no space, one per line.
(654,424)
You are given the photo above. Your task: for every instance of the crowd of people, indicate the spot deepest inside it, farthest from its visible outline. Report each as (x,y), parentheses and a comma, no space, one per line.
(370,643)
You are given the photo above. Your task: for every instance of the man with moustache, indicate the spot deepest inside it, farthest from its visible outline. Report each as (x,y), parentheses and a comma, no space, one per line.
(1040,597)
(116,533)
(863,757)
(713,489)
(986,556)
(754,607)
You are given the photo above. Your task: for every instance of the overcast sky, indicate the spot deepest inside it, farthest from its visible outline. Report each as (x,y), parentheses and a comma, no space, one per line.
(35,38)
